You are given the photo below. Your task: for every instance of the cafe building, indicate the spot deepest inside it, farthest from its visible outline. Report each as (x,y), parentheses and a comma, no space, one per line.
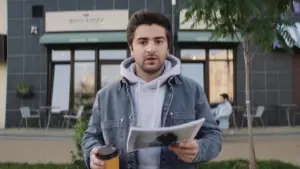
(64,51)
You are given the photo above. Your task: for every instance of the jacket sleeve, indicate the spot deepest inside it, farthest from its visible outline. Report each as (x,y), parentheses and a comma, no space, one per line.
(92,137)
(226,111)
(209,137)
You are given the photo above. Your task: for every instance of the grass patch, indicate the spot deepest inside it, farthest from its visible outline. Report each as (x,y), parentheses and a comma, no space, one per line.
(244,164)
(230,164)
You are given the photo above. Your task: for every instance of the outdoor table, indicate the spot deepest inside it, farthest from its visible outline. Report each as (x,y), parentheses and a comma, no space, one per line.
(288,107)
(49,113)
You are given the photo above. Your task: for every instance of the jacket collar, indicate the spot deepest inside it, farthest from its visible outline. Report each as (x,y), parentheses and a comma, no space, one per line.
(173,80)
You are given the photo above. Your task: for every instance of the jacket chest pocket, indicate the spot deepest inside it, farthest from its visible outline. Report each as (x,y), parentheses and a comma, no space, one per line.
(113,132)
(178,118)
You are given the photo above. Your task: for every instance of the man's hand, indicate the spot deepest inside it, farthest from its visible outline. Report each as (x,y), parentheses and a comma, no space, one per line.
(95,163)
(186,150)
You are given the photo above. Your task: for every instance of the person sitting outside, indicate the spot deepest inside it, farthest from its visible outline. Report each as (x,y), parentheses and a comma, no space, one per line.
(222,112)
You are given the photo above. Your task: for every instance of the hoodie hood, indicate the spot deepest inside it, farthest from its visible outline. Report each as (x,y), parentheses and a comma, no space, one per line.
(172,68)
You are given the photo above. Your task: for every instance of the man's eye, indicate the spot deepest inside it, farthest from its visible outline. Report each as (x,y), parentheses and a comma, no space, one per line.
(143,42)
(159,41)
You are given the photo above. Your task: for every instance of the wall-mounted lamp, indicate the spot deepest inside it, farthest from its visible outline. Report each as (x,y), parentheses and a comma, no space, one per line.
(34,30)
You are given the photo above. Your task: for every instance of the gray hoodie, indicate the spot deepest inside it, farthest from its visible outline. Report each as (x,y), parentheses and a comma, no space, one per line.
(144,94)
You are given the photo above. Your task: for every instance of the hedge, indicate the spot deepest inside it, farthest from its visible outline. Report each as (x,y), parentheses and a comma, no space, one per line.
(231,164)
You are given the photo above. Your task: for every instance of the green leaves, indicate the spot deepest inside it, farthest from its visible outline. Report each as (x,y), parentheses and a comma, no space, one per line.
(264,21)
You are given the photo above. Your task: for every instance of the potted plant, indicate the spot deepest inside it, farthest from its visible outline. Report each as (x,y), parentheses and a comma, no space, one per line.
(24,90)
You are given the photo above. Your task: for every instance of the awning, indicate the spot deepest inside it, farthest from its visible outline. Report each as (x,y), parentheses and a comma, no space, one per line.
(200,36)
(88,37)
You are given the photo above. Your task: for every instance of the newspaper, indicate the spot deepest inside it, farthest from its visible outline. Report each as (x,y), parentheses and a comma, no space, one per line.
(157,137)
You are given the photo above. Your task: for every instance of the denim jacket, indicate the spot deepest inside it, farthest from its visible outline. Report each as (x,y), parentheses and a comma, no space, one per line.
(113,114)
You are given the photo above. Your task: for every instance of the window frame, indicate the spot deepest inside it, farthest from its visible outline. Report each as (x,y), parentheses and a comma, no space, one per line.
(207,47)
(73,48)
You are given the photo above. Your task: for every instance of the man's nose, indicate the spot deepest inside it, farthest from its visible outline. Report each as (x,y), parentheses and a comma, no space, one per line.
(151,47)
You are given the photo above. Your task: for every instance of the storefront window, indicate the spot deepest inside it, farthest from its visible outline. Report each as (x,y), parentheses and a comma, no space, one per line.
(61,55)
(110,61)
(75,80)
(194,71)
(61,86)
(84,78)
(220,54)
(109,73)
(61,76)
(84,84)
(84,55)
(220,74)
(192,54)
(106,54)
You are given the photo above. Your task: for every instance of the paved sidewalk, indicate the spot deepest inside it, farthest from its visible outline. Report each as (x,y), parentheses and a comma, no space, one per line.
(68,133)
(38,146)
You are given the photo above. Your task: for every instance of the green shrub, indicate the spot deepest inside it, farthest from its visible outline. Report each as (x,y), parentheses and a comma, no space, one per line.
(79,128)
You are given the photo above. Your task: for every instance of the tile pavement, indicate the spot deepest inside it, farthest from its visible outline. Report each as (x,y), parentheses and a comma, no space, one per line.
(38,146)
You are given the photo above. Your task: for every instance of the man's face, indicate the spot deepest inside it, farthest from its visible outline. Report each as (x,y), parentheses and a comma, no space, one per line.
(149,47)
(222,99)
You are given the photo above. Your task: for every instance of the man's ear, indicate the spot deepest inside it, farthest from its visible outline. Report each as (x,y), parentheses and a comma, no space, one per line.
(131,50)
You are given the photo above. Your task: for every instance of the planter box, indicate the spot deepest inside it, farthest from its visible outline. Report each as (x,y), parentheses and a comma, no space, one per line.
(25,95)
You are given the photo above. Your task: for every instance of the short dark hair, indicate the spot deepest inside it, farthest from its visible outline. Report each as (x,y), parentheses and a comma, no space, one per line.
(148,17)
(225,96)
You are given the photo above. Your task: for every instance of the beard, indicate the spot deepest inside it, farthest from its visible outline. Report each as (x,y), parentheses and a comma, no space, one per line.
(152,69)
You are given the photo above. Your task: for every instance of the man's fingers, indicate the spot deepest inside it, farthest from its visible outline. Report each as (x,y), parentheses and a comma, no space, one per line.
(96,161)
(95,150)
(93,166)
(183,151)
(187,145)
(187,159)
(187,155)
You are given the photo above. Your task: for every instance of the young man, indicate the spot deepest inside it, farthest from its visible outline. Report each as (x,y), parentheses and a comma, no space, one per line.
(152,93)
(222,112)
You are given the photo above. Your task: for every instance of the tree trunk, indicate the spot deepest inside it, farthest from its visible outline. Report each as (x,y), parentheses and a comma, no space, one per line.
(252,157)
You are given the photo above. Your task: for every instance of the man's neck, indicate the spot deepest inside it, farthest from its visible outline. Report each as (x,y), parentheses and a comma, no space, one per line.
(146,76)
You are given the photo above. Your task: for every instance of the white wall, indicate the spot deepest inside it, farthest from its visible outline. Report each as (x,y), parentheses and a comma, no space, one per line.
(3,17)
(3,82)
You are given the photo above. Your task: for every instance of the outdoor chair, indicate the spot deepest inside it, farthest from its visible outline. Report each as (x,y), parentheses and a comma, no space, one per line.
(68,117)
(258,115)
(26,114)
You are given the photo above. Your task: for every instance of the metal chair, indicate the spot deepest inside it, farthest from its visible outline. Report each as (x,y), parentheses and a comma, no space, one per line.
(258,115)
(74,117)
(26,114)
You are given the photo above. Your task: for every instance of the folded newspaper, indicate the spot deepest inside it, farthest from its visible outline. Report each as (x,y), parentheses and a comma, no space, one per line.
(157,137)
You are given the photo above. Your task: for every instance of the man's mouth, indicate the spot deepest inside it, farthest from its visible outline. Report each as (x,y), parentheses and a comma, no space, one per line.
(151,59)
